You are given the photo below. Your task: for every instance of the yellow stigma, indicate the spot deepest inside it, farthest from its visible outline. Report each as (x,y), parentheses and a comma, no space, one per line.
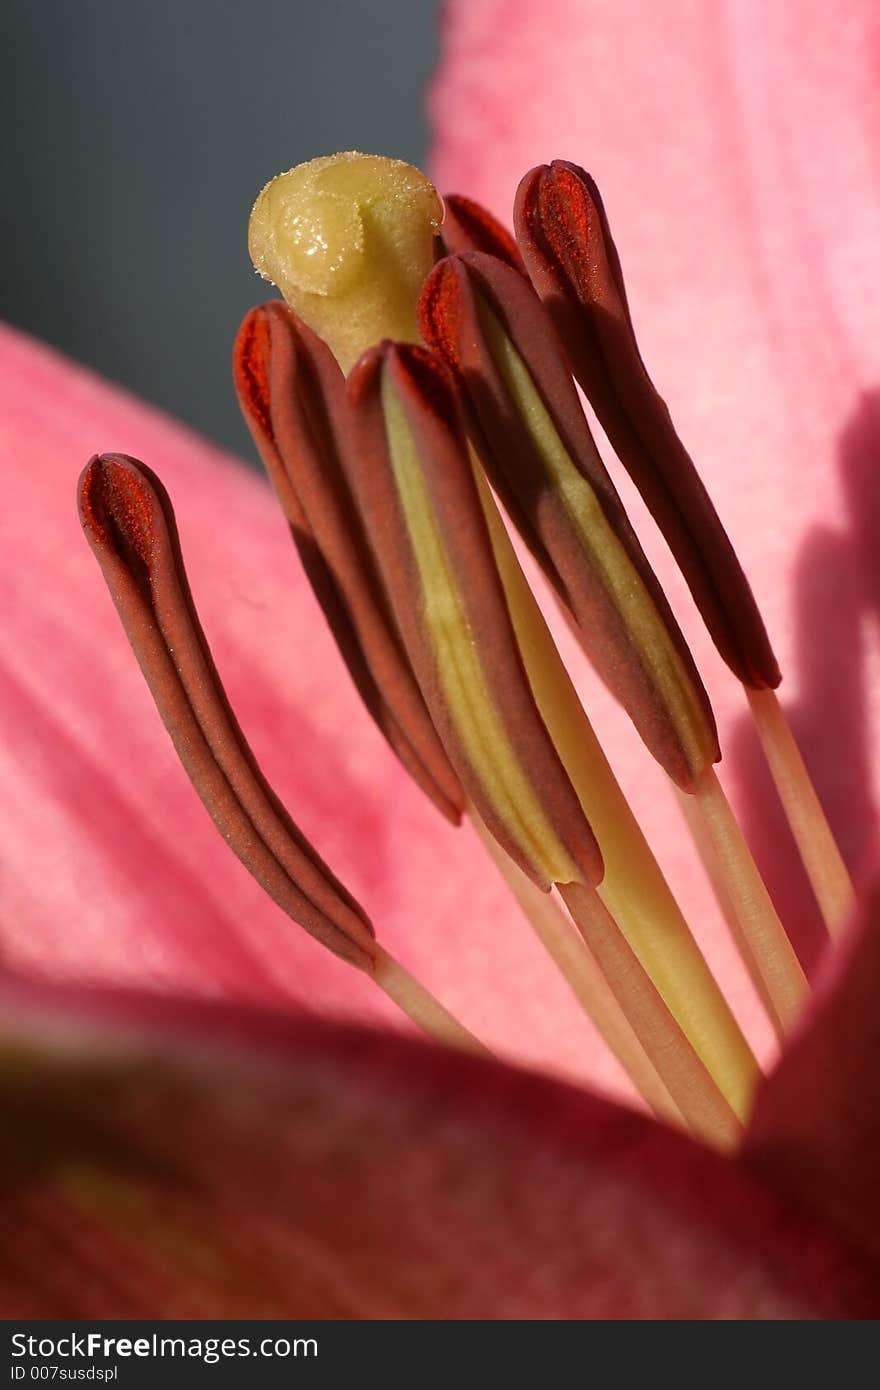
(348,240)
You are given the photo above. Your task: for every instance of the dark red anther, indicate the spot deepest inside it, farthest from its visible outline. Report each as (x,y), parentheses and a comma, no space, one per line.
(467,226)
(129,523)
(292,394)
(474,311)
(422,506)
(566,243)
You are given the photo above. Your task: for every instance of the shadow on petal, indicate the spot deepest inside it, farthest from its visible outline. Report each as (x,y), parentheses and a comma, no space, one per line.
(837,601)
(179,1160)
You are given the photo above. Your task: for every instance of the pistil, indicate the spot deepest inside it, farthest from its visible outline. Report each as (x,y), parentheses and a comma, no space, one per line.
(320,231)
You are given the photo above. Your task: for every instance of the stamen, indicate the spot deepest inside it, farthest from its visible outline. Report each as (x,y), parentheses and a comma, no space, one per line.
(411,997)
(759,934)
(533,439)
(129,523)
(678,1066)
(571,955)
(633,889)
(565,240)
(292,395)
(127,517)
(821,856)
(348,240)
(410,470)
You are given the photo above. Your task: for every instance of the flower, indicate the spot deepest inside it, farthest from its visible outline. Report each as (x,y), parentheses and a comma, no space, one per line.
(351,1089)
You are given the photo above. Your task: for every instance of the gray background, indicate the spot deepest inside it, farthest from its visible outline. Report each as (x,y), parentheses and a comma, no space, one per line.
(136,137)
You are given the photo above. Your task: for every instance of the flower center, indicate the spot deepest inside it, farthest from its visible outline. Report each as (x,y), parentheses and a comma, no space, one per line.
(389,479)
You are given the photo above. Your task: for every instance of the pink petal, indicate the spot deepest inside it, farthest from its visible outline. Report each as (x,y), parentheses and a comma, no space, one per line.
(815,1131)
(198,1161)
(735,145)
(111,869)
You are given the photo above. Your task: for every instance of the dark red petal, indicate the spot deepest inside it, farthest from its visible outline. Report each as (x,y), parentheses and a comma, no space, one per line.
(174,1161)
(566,243)
(815,1131)
(129,523)
(428,400)
(467,226)
(292,395)
(454,296)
